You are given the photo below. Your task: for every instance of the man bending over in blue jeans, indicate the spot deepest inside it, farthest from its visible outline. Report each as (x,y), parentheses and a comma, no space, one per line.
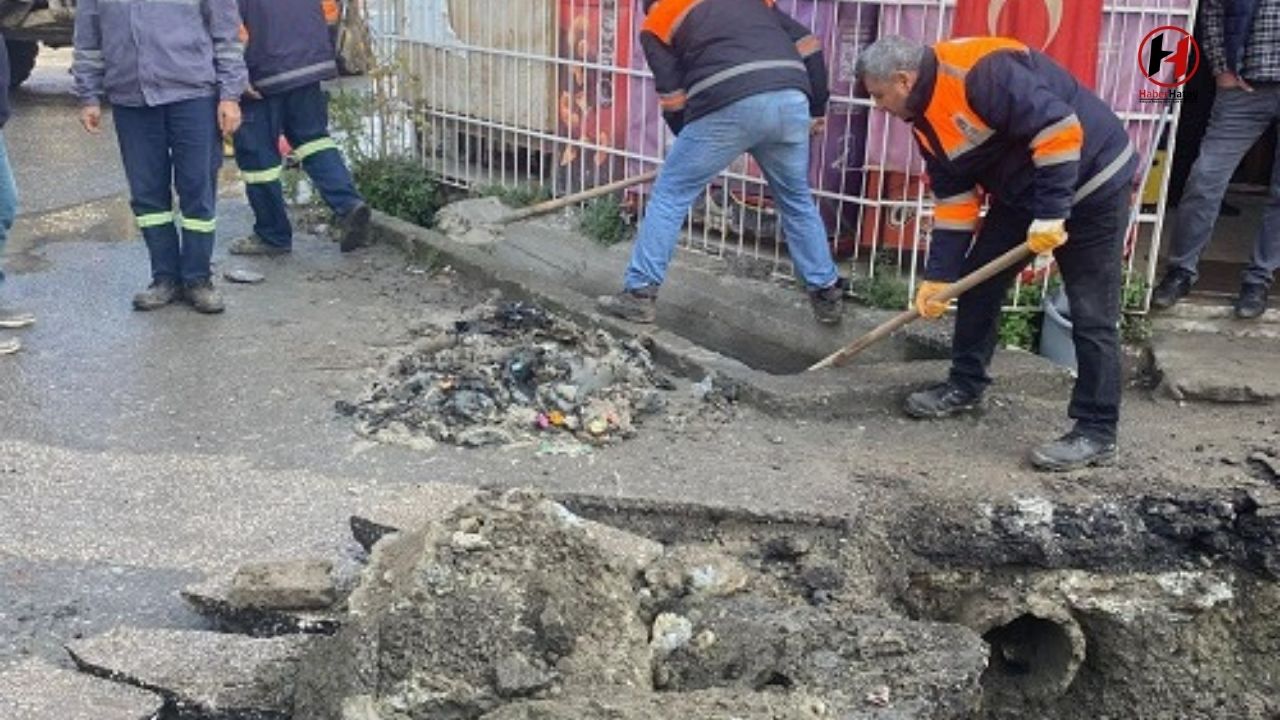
(732,77)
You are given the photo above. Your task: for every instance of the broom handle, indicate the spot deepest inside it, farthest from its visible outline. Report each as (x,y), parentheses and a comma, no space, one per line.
(563,202)
(1014,256)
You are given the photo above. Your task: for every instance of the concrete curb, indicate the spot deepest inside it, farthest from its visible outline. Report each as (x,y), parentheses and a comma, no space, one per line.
(539,270)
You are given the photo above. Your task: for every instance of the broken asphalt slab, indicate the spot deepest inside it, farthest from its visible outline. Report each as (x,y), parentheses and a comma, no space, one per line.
(420,505)
(36,690)
(1217,368)
(212,599)
(285,585)
(760,356)
(199,673)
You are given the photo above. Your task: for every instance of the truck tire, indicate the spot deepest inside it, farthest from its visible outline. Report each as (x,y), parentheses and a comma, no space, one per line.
(22,59)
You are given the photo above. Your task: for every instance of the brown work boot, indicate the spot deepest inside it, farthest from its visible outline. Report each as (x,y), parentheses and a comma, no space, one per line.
(205,298)
(254,245)
(159,294)
(355,228)
(638,306)
(828,303)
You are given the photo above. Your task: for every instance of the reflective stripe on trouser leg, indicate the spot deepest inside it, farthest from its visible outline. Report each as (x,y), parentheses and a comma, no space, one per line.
(258,155)
(197,248)
(150,220)
(266,196)
(197,225)
(306,124)
(331,177)
(161,237)
(262,177)
(306,150)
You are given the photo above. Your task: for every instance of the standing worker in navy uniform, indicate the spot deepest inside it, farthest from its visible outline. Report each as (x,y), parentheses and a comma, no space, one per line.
(733,76)
(173,70)
(991,113)
(289,49)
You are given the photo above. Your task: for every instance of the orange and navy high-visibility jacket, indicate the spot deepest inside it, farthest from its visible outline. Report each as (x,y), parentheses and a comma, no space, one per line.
(706,54)
(288,43)
(991,113)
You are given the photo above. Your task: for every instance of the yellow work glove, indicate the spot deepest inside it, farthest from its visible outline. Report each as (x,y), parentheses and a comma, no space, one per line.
(1044,236)
(927,306)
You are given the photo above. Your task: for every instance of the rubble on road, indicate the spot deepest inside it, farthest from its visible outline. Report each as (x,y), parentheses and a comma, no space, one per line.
(514,373)
(513,608)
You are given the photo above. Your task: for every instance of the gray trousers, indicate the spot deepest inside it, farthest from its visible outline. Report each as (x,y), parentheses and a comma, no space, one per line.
(1239,118)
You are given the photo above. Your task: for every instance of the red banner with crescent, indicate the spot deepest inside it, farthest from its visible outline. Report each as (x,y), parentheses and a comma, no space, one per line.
(1072,40)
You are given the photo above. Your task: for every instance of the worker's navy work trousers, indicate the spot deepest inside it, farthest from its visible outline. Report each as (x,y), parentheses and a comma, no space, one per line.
(166,148)
(302,116)
(1092,273)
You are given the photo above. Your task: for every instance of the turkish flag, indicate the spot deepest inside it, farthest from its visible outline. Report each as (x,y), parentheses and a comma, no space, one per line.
(1041,24)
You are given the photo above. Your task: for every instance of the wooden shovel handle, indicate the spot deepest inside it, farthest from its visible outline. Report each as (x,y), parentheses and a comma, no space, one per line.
(1015,256)
(563,202)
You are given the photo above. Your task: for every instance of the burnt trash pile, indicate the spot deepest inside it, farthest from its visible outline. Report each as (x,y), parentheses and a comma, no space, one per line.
(514,373)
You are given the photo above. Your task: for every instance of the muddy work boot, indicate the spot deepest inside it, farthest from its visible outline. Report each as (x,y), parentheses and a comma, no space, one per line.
(1073,451)
(1173,287)
(254,245)
(828,304)
(10,320)
(943,400)
(159,294)
(205,298)
(355,228)
(638,306)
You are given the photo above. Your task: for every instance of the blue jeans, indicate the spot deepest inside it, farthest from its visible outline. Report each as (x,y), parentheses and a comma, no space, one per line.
(8,198)
(302,116)
(774,128)
(166,147)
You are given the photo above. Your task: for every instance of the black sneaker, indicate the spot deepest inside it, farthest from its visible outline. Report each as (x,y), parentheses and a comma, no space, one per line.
(1073,451)
(355,228)
(159,294)
(828,304)
(943,400)
(638,306)
(1173,287)
(1252,301)
(205,298)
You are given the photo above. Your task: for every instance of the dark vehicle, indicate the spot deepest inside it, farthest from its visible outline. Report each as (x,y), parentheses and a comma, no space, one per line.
(28,23)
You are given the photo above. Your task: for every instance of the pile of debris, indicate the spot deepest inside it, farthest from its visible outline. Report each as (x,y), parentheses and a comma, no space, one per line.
(513,373)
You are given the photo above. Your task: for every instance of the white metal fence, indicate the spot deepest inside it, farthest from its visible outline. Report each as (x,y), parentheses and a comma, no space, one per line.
(556,93)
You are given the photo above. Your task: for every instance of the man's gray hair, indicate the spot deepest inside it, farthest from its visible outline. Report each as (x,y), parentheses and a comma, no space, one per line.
(888,55)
